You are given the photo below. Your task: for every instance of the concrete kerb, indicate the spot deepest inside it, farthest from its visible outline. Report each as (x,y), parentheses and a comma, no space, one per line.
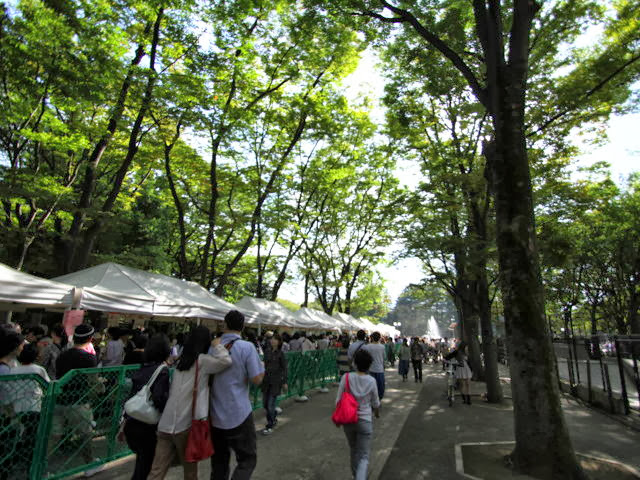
(460,459)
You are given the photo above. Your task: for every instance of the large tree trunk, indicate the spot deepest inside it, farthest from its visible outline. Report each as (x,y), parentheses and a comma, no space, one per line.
(489,346)
(543,446)
(469,324)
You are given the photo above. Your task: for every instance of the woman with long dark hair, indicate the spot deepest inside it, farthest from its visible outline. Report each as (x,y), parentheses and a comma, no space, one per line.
(140,436)
(175,422)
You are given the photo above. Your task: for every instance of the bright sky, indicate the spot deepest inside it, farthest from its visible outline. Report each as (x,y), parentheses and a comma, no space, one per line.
(622,152)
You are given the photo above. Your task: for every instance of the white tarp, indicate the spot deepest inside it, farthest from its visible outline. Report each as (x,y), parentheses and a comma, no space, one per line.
(266,312)
(349,322)
(30,291)
(315,319)
(111,287)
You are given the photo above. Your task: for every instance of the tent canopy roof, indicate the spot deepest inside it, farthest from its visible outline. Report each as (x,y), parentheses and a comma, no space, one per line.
(267,311)
(311,318)
(156,294)
(28,290)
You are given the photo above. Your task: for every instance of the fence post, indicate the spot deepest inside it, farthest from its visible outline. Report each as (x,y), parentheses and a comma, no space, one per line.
(636,376)
(589,379)
(575,355)
(609,392)
(623,383)
(40,457)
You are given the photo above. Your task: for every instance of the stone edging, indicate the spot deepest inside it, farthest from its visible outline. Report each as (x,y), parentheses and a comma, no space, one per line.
(460,460)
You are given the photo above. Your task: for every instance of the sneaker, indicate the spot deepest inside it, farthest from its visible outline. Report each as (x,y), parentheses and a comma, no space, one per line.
(267,431)
(92,471)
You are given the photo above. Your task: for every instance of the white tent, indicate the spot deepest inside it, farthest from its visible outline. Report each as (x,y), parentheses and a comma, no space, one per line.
(315,319)
(26,291)
(111,287)
(266,312)
(348,323)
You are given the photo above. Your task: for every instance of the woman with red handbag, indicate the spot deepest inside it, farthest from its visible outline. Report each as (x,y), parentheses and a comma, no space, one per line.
(365,390)
(187,408)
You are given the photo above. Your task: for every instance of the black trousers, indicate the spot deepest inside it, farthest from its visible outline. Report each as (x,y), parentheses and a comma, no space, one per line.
(141,438)
(417,369)
(242,440)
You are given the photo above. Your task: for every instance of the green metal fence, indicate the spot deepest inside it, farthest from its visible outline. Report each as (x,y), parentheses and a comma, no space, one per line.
(54,430)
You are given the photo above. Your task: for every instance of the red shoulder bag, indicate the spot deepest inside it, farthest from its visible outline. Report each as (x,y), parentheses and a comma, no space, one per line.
(346,411)
(199,445)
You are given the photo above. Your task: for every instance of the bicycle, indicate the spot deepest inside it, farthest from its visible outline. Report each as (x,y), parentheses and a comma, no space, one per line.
(450,367)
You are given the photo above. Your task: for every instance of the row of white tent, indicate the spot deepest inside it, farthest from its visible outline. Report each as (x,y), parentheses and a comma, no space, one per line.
(115,288)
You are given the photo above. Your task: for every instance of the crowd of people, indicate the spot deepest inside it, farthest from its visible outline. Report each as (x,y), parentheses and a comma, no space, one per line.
(211,379)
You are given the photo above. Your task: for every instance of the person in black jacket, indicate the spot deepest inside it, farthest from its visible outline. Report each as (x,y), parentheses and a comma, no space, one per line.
(275,380)
(141,437)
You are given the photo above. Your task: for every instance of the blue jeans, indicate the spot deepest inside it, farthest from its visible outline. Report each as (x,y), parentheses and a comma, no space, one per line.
(359,438)
(269,402)
(380,382)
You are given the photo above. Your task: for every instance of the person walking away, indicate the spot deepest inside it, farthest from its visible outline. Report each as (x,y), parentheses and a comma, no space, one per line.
(306,344)
(141,437)
(389,348)
(275,380)
(27,402)
(357,345)
(175,421)
(285,342)
(295,344)
(463,370)
(344,365)
(136,355)
(11,345)
(52,351)
(359,435)
(404,356)
(416,359)
(232,422)
(114,353)
(73,411)
(377,351)
(176,349)
(323,342)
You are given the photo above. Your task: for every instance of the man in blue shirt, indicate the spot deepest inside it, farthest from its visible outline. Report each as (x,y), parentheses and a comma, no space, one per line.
(232,426)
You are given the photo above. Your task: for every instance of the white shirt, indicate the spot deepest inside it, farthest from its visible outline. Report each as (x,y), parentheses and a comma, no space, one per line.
(307,345)
(176,416)
(27,394)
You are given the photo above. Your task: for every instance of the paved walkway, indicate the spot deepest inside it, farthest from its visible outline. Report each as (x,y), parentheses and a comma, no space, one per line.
(413,440)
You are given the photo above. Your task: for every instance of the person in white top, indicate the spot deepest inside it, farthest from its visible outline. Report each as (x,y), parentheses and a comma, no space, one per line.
(363,387)
(175,422)
(27,402)
(307,345)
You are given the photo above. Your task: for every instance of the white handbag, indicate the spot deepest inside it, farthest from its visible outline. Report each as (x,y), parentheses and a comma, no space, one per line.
(140,406)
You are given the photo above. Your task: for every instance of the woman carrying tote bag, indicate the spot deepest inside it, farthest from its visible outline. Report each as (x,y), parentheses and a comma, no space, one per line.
(365,390)
(176,419)
(141,436)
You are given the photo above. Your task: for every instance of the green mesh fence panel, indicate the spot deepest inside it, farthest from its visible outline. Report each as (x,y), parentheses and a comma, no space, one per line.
(55,430)
(23,417)
(85,418)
